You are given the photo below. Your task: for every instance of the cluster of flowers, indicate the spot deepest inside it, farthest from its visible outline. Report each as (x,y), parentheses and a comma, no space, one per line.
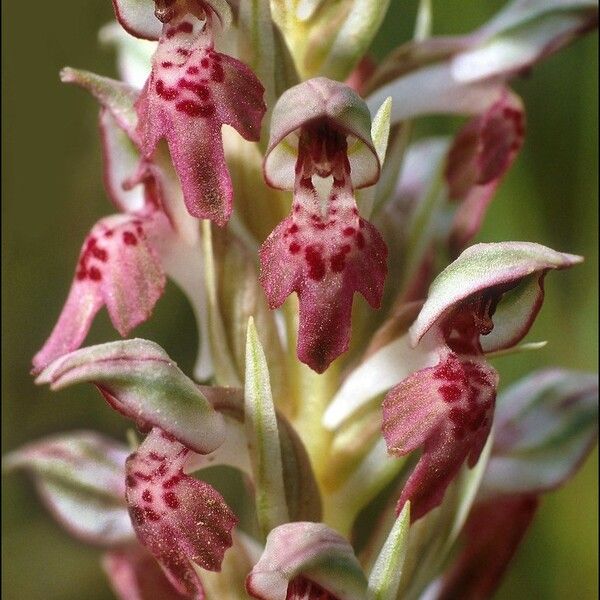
(371,213)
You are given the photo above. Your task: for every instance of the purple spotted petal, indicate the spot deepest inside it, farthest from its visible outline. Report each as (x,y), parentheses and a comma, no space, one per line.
(482,153)
(117,267)
(176,517)
(447,410)
(190,93)
(324,259)
(494,531)
(81,479)
(134,574)
(307,558)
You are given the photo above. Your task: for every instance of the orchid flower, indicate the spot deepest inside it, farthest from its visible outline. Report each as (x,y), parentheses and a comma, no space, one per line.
(324,250)
(373,459)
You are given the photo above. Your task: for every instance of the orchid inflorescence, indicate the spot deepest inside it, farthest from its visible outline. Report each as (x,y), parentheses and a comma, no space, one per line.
(322,402)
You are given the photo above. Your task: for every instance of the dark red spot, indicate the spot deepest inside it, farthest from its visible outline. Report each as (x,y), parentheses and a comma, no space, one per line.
(319,225)
(130,481)
(293,228)
(129,238)
(95,274)
(142,476)
(193,70)
(450,393)
(193,109)
(172,481)
(355,211)
(165,92)
(81,274)
(157,457)
(151,515)
(348,231)
(205,62)
(171,500)
(161,469)
(360,240)
(338,262)
(295,248)
(108,233)
(99,253)
(167,64)
(296,208)
(217,74)
(183,51)
(146,496)
(449,371)
(200,90)
(316,264)
(186,27)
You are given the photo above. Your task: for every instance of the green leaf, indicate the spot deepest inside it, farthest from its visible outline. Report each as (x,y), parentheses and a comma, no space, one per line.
(263,437)
(384,579)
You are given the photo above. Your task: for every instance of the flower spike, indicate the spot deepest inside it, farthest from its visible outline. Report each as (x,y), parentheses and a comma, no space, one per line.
(323,253)
(191,92)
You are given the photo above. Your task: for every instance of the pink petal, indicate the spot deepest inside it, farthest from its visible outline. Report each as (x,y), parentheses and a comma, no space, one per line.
(115,96)
(137,18)
(191,92)
(139,379)
(320,100)
(307,557)
(494,531)
(448,410)
(80,478)
(481,269)
(134,574)
(176,517)
(325,259)
(117,267)
(545,426)
(120,161)
(482,153)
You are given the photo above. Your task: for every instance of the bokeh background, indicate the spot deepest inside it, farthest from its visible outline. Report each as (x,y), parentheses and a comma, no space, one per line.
(52,194)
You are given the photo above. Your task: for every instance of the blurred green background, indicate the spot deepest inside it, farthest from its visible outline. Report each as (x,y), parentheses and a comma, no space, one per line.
(52,194)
